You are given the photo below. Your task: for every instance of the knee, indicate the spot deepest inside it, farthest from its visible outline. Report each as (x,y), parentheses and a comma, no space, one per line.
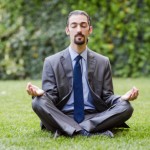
(128,109)
(37,103)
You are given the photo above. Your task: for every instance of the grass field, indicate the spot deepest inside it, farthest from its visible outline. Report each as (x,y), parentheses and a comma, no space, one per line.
(19,126)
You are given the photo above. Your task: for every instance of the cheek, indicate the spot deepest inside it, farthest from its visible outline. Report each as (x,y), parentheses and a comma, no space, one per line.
(86,33)
(72,33)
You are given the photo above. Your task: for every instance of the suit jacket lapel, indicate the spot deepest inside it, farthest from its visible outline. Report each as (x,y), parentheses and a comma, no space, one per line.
(91,66)
(67,65)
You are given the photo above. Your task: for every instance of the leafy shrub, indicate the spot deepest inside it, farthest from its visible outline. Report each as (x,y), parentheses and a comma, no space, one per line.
(32,30)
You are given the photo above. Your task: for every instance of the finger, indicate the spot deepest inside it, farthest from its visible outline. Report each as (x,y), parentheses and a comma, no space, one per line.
(29,92)
(35,87)
(130,94)
(33,91)
(40,92)
(37,92)
(135,90)
(136,94)
(133,96)
(28,86)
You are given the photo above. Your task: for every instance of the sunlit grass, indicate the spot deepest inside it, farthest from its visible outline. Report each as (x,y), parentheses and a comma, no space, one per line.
(19,126)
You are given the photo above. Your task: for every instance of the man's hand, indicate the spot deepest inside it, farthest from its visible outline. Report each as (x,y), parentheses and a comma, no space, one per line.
(131,94)
(34,90)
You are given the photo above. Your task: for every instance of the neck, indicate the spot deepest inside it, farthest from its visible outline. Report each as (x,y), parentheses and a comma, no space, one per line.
(78,48)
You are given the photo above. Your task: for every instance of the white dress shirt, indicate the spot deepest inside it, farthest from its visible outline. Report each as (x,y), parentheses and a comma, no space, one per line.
(88,102)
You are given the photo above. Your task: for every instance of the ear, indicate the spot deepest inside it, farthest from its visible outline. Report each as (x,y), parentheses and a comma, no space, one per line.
(67,31)
(90,30)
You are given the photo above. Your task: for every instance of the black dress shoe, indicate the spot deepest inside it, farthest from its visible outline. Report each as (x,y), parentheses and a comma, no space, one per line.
(84,133)
(57,134)
(88,134)
(106,133)
(42,126)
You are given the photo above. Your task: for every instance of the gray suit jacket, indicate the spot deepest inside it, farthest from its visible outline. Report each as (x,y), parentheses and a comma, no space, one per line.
(57,79)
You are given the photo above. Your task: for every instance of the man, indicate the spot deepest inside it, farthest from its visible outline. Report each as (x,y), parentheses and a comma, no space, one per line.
(77,91)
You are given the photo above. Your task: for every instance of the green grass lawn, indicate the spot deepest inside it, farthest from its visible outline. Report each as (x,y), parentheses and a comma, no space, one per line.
(19,126)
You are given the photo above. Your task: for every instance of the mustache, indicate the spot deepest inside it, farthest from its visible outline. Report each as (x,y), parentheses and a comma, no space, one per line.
(79,34)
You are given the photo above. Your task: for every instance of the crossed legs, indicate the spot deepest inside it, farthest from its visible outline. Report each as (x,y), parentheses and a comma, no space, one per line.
(115,116)
(53,119)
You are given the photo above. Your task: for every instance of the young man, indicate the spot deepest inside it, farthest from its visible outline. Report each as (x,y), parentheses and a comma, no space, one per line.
(77,91)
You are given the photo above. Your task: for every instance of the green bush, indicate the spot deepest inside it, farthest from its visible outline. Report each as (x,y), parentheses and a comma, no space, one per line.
(32,30)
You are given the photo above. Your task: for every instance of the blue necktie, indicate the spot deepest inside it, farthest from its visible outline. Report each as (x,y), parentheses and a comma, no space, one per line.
(78,91)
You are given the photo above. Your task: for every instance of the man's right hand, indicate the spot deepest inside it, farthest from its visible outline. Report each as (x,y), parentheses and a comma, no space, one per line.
(34,90)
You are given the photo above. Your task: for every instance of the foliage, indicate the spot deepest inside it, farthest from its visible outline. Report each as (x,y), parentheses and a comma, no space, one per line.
(32,30)
(19,126)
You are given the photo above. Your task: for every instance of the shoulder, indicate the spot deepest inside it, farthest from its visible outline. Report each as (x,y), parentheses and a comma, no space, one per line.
(55,57)
(97,56)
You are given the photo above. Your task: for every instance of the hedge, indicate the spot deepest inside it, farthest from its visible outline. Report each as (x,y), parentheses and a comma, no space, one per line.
(32,30)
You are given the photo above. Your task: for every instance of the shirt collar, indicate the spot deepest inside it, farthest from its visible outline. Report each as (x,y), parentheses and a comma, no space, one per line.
(74,54)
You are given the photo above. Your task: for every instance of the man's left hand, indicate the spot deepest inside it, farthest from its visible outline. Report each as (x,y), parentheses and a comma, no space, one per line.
(131,94)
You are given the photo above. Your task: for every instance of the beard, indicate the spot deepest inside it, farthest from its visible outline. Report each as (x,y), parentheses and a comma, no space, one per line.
(79,39)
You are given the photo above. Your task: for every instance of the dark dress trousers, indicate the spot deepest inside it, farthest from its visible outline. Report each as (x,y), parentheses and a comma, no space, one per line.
(57,82)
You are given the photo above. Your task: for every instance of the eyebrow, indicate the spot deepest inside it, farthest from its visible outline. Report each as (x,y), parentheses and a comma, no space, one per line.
(79,23)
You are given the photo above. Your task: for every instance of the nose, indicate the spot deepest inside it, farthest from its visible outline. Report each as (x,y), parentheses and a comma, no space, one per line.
(78,28)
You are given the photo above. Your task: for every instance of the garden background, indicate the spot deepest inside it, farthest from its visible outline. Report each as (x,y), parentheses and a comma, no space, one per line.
(30,30)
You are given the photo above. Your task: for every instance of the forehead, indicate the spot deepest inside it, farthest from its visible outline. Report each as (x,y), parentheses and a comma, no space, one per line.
(77,19)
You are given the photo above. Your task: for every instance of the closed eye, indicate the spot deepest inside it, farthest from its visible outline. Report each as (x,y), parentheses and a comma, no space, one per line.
(82,25)
(73,25)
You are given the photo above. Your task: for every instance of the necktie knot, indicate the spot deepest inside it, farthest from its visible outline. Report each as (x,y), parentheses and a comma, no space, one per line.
(78,58)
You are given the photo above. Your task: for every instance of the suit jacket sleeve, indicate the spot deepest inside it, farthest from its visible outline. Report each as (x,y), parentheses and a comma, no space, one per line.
(49,81)
(107,91)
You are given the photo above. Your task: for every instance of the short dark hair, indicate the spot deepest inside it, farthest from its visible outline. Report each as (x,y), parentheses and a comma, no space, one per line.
(79,12)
